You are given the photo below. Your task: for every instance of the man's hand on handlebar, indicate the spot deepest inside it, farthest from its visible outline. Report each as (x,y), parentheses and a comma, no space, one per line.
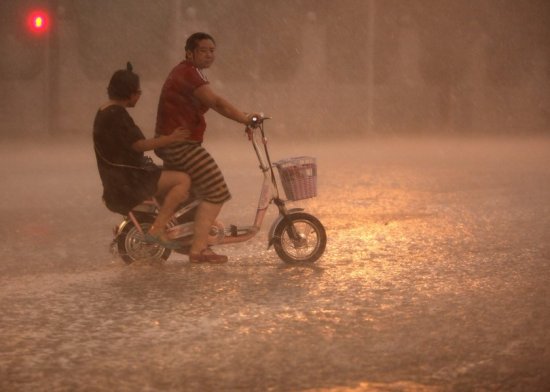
(255,119)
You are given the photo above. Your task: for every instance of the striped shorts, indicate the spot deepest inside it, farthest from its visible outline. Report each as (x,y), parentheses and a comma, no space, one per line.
(207,180)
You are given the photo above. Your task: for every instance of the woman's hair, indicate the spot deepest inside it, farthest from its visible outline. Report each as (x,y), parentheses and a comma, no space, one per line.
(193,40)
(123,83)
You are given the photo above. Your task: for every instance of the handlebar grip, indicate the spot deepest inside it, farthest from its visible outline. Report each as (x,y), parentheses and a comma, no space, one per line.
(257,120)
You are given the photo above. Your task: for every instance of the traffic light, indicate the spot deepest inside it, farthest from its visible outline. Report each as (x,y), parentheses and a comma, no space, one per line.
(38,21)
(26,34)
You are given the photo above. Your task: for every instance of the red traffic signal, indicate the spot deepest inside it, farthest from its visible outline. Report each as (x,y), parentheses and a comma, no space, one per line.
(38,21)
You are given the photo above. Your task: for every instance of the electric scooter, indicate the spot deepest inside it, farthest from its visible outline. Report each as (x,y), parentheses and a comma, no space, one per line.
(295,235)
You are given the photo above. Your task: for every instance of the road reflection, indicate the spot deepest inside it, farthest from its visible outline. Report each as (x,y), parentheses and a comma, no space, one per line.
(435,278)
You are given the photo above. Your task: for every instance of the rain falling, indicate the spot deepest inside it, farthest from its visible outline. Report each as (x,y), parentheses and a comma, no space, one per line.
(429,121)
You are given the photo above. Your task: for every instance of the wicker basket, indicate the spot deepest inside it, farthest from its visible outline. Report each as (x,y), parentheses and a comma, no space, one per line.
(299,177)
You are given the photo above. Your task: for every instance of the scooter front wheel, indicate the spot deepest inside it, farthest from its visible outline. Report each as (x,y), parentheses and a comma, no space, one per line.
(299,237)
(131,246)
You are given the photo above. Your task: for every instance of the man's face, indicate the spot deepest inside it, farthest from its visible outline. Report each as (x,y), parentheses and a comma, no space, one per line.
(203,55)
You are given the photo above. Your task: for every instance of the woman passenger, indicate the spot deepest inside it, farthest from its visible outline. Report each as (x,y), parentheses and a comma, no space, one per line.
(127,175)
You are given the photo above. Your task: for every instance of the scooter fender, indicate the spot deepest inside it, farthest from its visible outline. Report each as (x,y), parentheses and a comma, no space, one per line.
(127,220)
(118,229)
(276,222)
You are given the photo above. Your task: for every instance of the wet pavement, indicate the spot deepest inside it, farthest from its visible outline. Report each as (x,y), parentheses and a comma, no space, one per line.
(435,278)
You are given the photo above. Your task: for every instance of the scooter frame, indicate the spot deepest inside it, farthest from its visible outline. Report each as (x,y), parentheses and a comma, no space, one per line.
(269,193)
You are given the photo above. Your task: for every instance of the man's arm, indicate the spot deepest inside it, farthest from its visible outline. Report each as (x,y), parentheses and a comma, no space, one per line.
(208,98)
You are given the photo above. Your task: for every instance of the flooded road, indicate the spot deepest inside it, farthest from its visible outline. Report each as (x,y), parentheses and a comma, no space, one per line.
(435,278)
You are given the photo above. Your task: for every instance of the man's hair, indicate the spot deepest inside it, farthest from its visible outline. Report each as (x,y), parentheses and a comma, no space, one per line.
(193,40)
(123,83)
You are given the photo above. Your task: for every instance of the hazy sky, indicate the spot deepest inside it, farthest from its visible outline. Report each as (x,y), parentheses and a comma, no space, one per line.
(355,66)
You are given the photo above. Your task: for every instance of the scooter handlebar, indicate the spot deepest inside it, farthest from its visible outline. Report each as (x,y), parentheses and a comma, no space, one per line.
(257,120)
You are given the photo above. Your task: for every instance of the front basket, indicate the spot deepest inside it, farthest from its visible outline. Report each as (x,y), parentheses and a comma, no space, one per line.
(299,177)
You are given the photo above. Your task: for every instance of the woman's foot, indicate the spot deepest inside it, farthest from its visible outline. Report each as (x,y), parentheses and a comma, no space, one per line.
(160,240)
(207,256)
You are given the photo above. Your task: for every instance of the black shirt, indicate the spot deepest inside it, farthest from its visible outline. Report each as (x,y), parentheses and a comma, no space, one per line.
(126,183)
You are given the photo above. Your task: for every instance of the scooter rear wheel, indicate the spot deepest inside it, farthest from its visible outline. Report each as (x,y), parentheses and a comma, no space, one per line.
(131,246)
(300,237)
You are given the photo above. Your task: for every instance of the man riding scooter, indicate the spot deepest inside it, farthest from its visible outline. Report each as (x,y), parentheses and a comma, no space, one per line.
(185,97)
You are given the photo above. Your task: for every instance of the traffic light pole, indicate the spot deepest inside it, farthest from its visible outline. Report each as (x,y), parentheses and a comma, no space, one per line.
(371,40)
(52,73)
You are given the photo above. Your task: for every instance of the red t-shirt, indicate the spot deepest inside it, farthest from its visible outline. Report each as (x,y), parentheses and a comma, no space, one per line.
(177,105)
